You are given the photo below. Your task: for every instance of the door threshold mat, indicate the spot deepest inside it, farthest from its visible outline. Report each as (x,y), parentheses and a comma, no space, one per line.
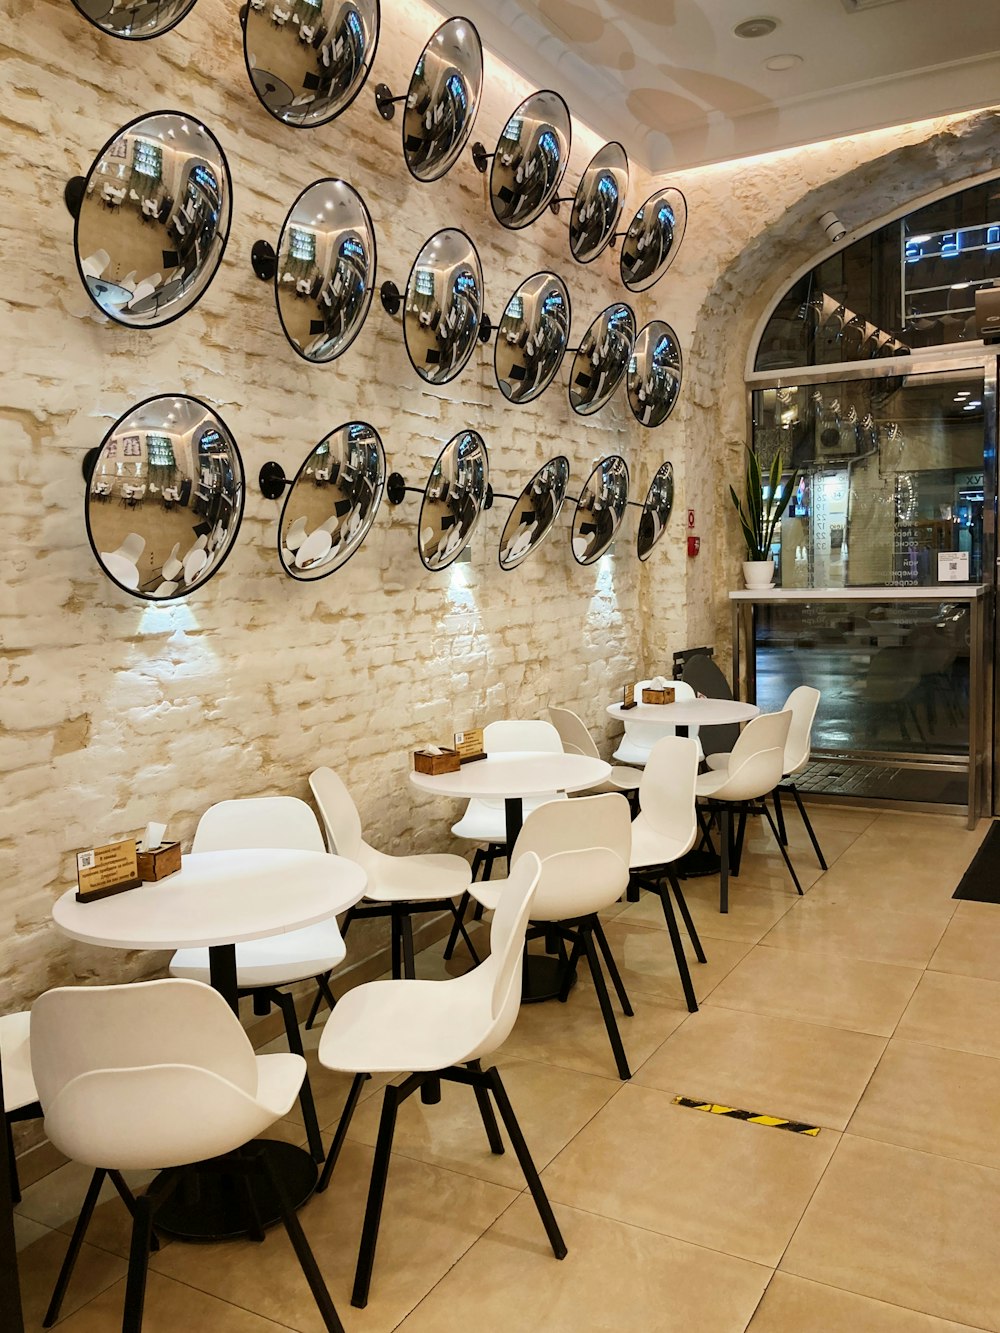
(981,882)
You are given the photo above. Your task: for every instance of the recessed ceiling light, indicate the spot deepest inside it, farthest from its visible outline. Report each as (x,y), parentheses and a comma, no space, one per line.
(756,27)
(787,61)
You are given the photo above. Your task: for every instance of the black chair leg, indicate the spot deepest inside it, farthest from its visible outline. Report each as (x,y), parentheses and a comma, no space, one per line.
(128,1199)
(376,1196)
(473,953)
(604,1000)
(527,1165)
(303,1251)
(138,1265)
(15,1184)
(287,1006)
(737,851)
(346,925)
(569,970)
(486,1111)
(613,973)
(783,850)
(460,912)
(724,820)
(809,828)
(779,815)
(678,946)
(396,942)
(685,912)
(706,832)
(343,1126)
(323,992)
(406,928)
(73,1250)
(478,857)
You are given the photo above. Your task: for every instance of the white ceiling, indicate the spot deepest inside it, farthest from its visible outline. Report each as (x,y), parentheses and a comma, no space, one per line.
(671,80)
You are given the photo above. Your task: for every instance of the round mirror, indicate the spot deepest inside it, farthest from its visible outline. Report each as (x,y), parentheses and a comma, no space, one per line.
(598,203)
(325,273)
(453,499)
(443,100)
(653,238)
(444,305)
(656,510)
(333,501)
(654,373)
(600,510)
(134,19)
(309,59)
(165,497)
(534,513)
(154,219)
(532,337)
(530,159)
(602,359)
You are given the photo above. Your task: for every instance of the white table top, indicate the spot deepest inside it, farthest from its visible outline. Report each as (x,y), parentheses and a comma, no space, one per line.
(518,773)
(218,898)
(687,713)
(939,592)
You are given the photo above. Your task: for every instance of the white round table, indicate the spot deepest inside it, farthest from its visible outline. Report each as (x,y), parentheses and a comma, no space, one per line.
(686,713)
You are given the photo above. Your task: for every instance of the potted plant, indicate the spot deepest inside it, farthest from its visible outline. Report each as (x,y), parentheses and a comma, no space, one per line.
(761,516)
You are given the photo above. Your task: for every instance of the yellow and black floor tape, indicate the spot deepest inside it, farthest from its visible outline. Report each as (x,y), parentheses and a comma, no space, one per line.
(755,1117)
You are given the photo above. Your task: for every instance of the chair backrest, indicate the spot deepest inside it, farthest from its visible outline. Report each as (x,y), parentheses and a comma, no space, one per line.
(515,735)
(510,920)
(704,676)
(339,813)
(757,761)
(802,704)
(667,789)
(584,846)
(259,821)
(573,733)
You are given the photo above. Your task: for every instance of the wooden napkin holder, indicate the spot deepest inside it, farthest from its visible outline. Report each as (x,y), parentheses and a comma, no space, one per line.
(159,863)
(433,764)
(658,696)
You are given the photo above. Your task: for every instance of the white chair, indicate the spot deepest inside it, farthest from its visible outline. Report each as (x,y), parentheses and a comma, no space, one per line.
(20,1100)
(664,830)
(143,289)
(172,566)
(125,571)
(158,1075)
(262,966)
(132,547)
(576,739)
(755,768)
(439,1030)
(640,737)
(194,563)
(295,535)
(94,265)
(166,589)
(802,703)
(313,549)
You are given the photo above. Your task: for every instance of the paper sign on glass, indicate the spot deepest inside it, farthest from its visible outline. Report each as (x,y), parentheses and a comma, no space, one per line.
(953,566)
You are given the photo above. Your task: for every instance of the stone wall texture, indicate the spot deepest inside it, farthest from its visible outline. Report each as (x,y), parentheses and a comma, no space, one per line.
(112,711)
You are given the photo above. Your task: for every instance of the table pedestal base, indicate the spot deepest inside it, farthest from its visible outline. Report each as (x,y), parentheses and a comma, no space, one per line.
(542,978)
(214,1205)
(696,864)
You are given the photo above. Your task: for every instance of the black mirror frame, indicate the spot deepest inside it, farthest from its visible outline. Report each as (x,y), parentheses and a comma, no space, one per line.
(509,569)
(481,159)
(558,366)
(437,384)
(429,180)
(609,240)
(586,564)
(680,376)
(145,37)
(487,502)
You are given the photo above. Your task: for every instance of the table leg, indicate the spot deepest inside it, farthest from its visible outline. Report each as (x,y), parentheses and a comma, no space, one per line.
(513,808)
(542,977)
(11,1316)
(222,970)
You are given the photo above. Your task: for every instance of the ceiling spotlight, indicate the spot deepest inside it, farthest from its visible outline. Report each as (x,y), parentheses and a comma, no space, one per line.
(834,228)
(756,27)
(777,64)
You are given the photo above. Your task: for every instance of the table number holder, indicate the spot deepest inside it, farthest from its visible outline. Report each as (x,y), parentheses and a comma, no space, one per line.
(469,745)
(628,696)
(103,871)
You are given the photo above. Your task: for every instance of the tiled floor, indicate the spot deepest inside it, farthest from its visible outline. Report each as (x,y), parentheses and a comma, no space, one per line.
(869,1008)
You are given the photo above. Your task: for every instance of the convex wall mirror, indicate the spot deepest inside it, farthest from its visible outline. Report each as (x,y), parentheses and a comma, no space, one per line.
(600,510)
(164,497)
(656,511)
(653,238)
(602,359)
(135,20)
(532,337)
(152,219)
(332,502)
(654,373)
(443,306)
(324,272)
(309,59)
(598,202)
(530,159)
(453,499)
(534,513)
(442,100)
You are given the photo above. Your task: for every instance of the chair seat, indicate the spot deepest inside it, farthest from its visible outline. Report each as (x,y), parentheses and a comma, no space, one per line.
(719,762)
(15,1052)
(651,848)
(486,820)
(623,779)
(276,960)
(425,876)
(629,752)
(709,783)
(279,1080)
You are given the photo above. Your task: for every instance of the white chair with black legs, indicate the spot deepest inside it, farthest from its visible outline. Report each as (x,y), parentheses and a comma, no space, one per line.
(159,1075)
(664,830)
(437,1030)
(576,739)
(755,768)
(20,1100)
(263,966)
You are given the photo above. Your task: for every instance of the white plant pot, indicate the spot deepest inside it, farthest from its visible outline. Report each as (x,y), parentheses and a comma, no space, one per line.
(758,573)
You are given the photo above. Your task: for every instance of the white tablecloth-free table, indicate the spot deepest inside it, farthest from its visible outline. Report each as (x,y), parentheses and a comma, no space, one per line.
(686,713)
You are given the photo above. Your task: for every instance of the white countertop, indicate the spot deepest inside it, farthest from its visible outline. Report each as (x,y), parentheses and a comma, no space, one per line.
(516,774)
(938,592)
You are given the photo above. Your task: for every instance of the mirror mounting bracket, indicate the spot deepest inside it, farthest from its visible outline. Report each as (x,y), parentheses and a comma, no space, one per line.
(396,488)
(385,101)
(485,329)
(264,260)
(559,199)
(272,481)
(390,298)
(73,194)
(480,157)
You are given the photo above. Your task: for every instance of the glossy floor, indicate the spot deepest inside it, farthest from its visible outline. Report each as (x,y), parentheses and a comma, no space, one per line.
(869,1008)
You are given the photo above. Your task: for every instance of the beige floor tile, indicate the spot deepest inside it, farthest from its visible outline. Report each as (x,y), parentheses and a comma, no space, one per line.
(329,1087)
(615,1277)
(971,945)
(792,1305)
(934,1099)
(962,1013)
(834,839)
(751,913)
(170,1307)
(431,1217)
(776,1065)
(27,1232)
(648,967)
(837,992)
(854,930)
(905,1227)
(721,1183)
(38,1265)
(551,1105)
(55,1201)
(765,869)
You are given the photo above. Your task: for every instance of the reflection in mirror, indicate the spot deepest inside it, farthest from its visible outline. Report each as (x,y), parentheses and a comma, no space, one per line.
(654,373)
(165,497)
(443,100)
(444,304)
(598,203)
(653,238)
(534,513)
(453,499)
(656,510)
(601,359)
(600,509)
(530,159)
(309,59)
(154,220)
(333,501)
(325,273)
(532,337)
(135,19)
